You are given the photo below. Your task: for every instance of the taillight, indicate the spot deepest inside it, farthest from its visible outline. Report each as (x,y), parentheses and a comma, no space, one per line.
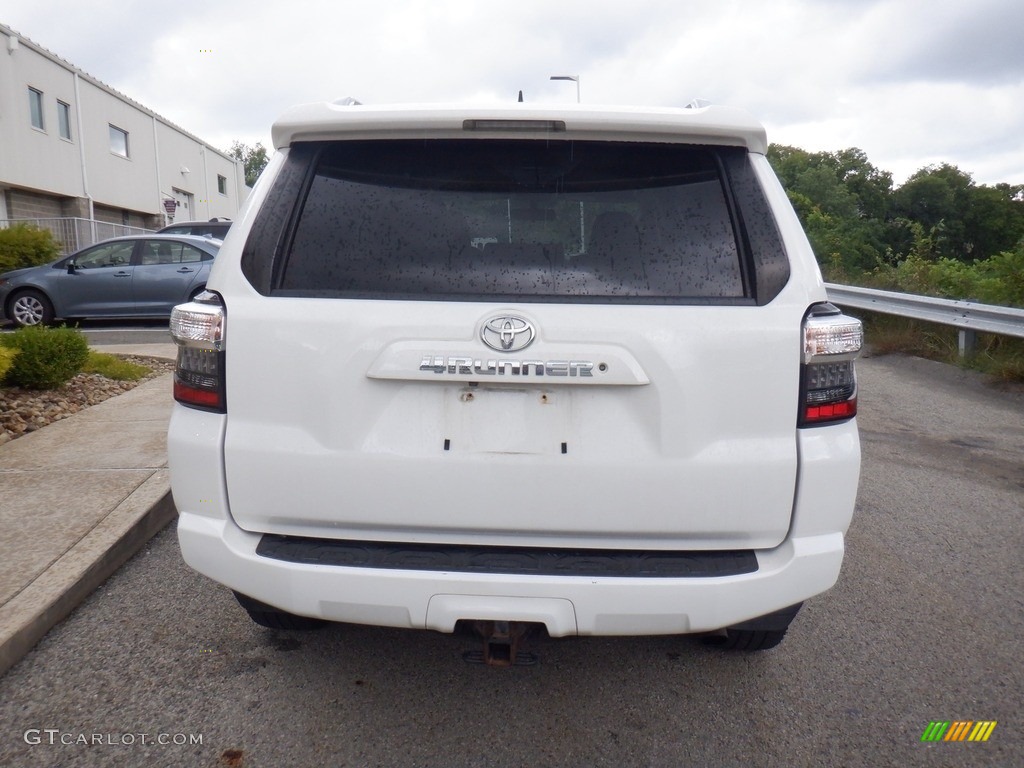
(198,330)
(828,380)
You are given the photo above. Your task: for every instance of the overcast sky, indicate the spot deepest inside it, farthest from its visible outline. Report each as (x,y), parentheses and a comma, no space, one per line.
(911,82)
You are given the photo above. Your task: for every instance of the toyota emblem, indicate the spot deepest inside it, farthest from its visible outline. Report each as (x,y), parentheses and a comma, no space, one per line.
(507,333)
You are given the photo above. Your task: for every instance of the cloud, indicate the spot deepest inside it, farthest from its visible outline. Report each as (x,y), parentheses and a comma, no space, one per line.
(909,81)
(977,43)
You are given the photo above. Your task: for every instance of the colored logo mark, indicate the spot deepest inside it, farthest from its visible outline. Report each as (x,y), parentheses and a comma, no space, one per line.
(958,730)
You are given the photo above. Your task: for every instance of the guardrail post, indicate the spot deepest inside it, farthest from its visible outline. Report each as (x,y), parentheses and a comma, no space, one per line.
(968,342)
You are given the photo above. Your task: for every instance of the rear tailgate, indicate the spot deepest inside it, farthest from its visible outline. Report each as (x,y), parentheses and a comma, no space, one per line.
(365,419)
(366,401)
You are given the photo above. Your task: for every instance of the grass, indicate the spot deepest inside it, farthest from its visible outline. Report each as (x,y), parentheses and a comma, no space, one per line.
(999,356)
(1004,361)
(113,367)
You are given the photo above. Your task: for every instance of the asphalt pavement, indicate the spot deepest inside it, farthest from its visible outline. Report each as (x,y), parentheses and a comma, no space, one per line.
(925,625)
(79,498)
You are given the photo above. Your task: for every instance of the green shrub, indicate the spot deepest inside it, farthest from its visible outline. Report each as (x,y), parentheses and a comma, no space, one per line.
(6,358)
(24,246)
(1003,277)
(46,358)
(997,280)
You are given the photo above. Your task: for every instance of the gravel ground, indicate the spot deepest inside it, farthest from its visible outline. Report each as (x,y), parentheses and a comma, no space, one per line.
(26,410)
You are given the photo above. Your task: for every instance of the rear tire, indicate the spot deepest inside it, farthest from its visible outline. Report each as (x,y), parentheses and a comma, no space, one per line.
(273,618)
(758,634)
(746,640)
(30,308)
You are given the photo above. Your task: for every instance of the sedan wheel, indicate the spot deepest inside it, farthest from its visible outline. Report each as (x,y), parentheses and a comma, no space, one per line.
(31,308)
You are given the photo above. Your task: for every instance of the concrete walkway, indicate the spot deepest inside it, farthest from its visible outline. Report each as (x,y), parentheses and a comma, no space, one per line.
(79,497)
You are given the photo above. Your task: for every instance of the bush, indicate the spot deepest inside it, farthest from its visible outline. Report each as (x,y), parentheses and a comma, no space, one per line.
(6,358)
(997,280)
(1003,276)
(46,357)
(24,246)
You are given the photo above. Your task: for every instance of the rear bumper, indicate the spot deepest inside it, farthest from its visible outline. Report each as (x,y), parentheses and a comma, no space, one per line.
(807,562)
(795,571)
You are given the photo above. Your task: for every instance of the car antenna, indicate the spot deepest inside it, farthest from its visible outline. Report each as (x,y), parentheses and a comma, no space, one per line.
(520,97)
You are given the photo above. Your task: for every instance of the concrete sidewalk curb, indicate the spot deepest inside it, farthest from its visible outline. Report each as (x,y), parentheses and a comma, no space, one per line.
(78,572)
(96,489)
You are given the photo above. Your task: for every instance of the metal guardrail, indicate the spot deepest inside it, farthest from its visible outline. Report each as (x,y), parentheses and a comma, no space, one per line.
(74,234)
(969,317)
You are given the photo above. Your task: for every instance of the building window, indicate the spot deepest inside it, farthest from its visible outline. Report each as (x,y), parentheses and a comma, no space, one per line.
(64,120)
(35,106)
(222,184)
(118,141)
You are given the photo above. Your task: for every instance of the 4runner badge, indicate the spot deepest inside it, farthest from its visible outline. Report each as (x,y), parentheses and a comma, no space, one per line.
(507,333)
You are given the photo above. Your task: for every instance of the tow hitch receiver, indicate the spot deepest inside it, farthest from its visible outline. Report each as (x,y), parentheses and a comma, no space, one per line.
(501,644)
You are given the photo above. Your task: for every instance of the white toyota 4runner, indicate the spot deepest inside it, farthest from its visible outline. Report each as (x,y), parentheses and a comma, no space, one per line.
(515,366)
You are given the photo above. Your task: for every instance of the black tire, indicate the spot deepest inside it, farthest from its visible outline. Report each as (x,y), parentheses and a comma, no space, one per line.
(746,639)
(30,307)
(272,618)
(758,634)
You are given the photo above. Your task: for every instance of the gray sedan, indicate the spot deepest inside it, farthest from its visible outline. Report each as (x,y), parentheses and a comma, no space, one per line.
(136,276)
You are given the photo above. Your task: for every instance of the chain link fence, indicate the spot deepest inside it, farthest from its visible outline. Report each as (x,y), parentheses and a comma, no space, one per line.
(73,234)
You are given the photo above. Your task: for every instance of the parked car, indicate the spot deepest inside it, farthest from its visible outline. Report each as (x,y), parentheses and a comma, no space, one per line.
(544,365)
(140,276)
(217,228)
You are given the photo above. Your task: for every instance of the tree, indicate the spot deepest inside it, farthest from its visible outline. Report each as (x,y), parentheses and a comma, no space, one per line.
(871,186)
(995,220)
(846,178)
(965,221)
(254,159)
(938,197)
(842,201)
(938,234)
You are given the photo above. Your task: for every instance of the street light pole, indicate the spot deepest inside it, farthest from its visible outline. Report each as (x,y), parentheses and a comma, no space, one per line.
(574,78)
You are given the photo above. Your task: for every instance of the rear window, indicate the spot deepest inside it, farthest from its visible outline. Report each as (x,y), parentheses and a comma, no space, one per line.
(504,220)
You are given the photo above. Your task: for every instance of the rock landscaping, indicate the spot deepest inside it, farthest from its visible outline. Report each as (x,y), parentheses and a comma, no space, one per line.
(26,410)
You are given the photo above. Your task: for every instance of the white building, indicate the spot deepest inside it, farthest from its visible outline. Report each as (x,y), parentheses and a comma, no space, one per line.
(73,151)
